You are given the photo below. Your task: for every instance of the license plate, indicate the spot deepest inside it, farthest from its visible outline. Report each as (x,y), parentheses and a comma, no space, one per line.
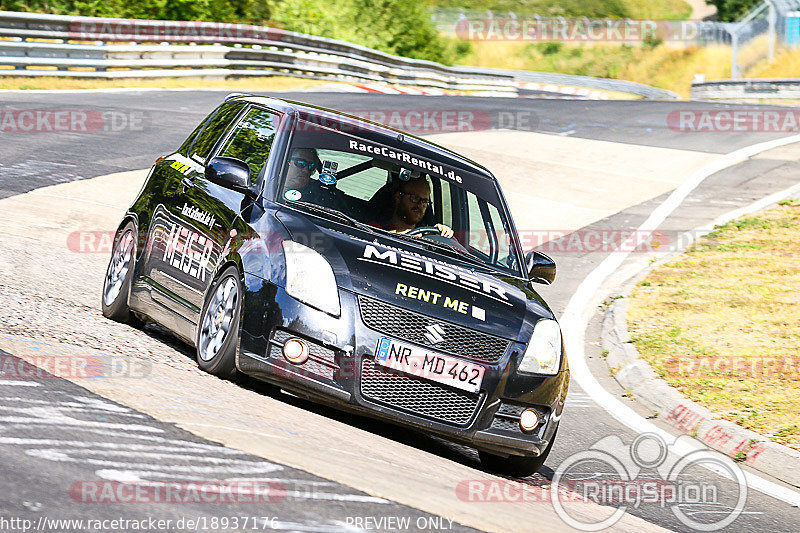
(429,365)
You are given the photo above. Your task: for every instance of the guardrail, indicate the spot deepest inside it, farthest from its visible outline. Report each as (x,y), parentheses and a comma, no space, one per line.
(58,45)
(605,84)
(748,89)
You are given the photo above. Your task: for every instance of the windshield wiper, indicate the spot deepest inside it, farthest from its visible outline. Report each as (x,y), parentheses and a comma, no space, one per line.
(461,253)
(343,217)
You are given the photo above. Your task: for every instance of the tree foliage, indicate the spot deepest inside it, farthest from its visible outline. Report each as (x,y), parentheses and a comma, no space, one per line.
(218,10)
(401,27)
(731,10)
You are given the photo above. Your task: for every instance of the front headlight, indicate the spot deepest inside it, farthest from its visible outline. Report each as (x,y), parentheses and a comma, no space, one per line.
(310,279)
(543,354)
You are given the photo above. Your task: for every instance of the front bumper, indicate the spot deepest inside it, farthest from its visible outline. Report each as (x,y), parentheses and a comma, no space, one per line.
(341,372)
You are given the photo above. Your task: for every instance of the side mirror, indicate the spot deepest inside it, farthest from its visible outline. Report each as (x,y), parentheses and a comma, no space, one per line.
(230,173)
(541,269)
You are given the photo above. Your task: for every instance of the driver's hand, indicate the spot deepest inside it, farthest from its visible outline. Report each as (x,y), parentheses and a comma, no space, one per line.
(444,230)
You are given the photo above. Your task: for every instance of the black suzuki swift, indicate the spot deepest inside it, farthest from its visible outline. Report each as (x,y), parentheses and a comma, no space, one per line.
(351,264)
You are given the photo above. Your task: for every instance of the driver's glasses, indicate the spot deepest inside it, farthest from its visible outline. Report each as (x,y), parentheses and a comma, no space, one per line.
(299,162)
(424,202)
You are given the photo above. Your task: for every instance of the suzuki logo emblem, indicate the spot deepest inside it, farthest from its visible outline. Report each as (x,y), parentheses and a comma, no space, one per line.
(434,334)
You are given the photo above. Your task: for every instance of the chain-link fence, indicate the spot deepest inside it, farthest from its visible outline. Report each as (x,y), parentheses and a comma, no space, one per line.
(769,25)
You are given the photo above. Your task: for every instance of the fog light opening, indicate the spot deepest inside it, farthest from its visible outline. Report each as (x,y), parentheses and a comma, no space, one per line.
(295,351)
(528,420)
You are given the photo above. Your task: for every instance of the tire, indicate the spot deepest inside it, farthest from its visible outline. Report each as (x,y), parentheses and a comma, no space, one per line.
(218,330)
(515,465)
(119,276)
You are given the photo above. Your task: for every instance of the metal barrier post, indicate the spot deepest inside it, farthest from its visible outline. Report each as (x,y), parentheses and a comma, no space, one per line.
(773,19)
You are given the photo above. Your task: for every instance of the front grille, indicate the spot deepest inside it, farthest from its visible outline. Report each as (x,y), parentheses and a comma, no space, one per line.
(507,417)
(410,326)
(417,396)
(505,424)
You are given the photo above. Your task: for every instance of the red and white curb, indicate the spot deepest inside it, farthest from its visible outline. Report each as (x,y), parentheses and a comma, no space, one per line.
(397,89)
(566,91)
(576,92)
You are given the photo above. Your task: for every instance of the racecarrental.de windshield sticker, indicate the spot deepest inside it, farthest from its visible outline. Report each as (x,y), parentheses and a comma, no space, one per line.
(404,157)
(443,272)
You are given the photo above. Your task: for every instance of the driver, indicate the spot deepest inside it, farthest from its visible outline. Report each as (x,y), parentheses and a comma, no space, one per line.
(303,162)
(411,200)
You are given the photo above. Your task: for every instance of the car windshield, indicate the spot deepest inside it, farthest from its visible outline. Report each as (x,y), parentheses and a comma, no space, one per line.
(397,191)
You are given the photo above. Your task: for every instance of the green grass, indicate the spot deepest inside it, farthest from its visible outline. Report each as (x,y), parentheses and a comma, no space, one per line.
(720,323)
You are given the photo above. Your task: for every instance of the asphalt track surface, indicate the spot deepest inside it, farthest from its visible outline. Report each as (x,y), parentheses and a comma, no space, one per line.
(33,482)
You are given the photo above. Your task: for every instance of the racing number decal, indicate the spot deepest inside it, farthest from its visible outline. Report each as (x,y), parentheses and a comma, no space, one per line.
(188,251)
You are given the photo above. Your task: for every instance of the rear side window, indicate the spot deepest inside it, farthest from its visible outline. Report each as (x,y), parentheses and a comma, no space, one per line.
(251,140)
(211,130)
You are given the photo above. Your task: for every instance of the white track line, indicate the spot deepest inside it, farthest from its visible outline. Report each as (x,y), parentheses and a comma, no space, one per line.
(576,316)
(18,383)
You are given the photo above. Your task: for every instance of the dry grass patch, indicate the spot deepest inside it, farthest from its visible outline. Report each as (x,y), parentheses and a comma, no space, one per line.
(722,322)
(785,64)
(663,65)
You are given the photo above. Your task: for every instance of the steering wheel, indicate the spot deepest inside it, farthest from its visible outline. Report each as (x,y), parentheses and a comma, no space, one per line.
(424,230)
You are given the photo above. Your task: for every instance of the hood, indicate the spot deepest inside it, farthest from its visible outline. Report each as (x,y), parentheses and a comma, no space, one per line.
(404,275)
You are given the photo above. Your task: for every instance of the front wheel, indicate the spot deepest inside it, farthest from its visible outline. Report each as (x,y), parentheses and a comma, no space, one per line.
(218,334)
(117,283)
(515,465)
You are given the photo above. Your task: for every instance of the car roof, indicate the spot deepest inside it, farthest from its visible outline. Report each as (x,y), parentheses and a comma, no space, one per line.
(375,132)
